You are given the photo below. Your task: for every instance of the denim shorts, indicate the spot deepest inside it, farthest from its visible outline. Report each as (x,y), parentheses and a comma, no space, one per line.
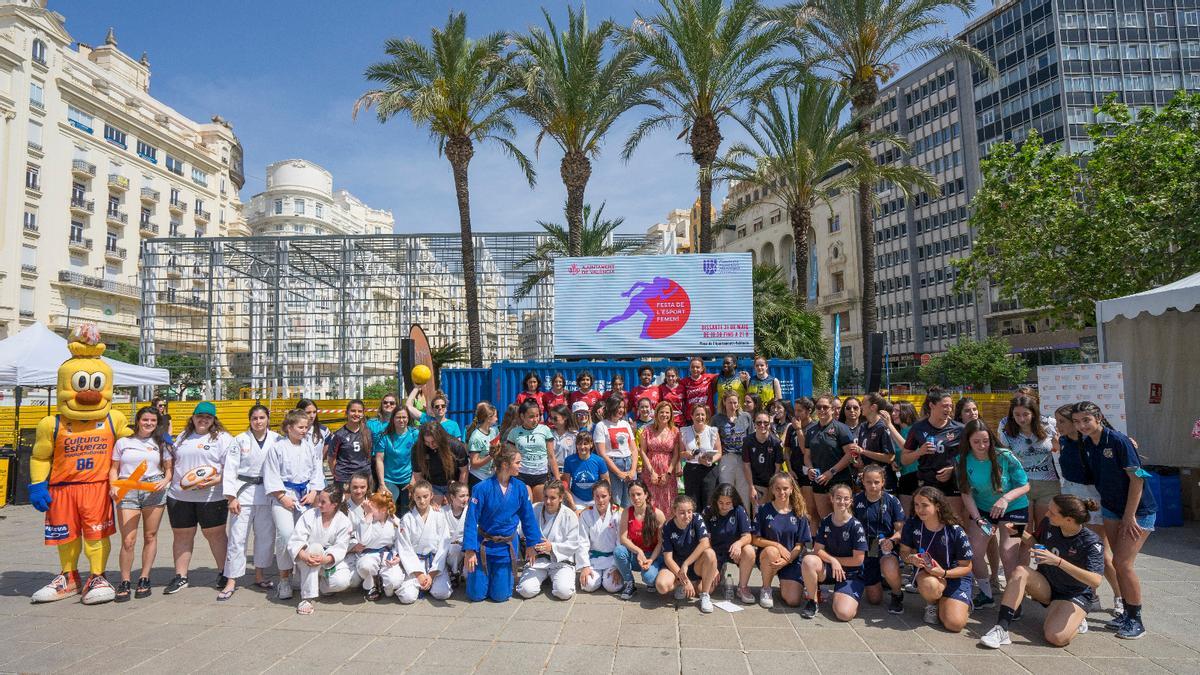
(1145,522)
(136,500)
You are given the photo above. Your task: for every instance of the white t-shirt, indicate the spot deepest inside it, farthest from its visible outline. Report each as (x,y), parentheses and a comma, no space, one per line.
(564,446)
(616,437)
(705,442)
(194,451)
(131,451)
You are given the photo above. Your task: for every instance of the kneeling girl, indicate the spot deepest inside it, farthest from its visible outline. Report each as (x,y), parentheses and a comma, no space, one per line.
(732,531)
(600,526)
(687,556)
(425,531)
(839,548)
(318,546)
(781,534)
(560,551)
(935,543)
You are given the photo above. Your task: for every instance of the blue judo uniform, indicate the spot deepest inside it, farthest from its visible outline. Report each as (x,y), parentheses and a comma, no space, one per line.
(494,512)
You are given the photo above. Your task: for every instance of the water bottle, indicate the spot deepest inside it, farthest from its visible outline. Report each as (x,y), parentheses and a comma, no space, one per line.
(986,527)
(925,557)
(816,473)
(728,587)
(1033,563)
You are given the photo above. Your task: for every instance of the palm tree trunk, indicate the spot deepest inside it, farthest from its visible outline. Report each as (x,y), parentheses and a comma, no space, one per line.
(706,141)
(801,220)
(867,94)
(459,151)
(576,169)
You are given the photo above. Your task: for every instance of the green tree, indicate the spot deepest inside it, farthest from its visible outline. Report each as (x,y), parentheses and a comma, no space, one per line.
(458,89)
(380,389)
(783,329)
(861,42)
(186,372)
(574,86)
(445,354)
(975,363)
(595,241)
(127,352)
(801,154)
(1059,232)
(708,57)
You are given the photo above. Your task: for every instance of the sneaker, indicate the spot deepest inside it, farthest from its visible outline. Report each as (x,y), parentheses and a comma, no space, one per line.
(931,615)
(1093,606)
(745,596)
(627,590)
(283,590)
(680,594)
(981,601)
(373,594)
(1118,607)
(222,582)
(143,588)
(765,600)
(910,586)
(124,591)
(809,610)
(706,605)
(995,638)
(176,584)
(896,604)
(1132,630)
(98,591)
(1083,627)
(1117,622)
(60,587)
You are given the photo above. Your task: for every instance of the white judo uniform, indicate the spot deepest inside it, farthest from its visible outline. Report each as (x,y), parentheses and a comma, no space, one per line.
(310,533)
(601,534)
(242,478)
(379,544)
(454,552)
(568,552)
(295,470)
(422,548)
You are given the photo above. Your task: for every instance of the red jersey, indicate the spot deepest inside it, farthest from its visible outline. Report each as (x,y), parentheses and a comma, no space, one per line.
(696,392)
(652,392)
(675,398)
(553,400)
(536,397)
(589,398)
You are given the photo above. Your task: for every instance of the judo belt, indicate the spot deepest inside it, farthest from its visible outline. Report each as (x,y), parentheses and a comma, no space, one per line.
(381,549)
(426,558)
(599,554)
(495,539)
(257,480)
(300,489)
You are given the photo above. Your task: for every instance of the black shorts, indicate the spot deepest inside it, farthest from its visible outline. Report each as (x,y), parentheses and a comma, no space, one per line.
(186,515)
(907,484)
(948,488)
(534,479)
(844,477)
(1082,600)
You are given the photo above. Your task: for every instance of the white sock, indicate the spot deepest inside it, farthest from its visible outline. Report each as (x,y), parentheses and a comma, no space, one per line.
(985,587)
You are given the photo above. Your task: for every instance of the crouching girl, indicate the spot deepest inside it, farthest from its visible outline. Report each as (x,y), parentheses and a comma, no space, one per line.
(374,539)
(560,551)
(318,547)
(425,534)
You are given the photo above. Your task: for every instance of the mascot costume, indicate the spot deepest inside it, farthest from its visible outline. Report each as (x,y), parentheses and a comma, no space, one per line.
(69,470)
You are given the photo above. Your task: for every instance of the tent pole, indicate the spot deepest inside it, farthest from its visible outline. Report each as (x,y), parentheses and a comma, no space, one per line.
(1100,334)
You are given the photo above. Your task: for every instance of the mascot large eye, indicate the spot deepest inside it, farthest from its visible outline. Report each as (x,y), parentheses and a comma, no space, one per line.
(98,381)
(80,380)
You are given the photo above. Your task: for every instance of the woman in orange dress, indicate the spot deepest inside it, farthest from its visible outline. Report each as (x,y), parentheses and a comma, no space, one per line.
(660,450)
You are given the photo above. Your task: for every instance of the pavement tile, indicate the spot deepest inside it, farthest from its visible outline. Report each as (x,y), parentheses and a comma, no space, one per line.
(515,659)
(582,660)
(702,637)
(419,626)
(917,664)
(594,613)
(543,608)
(704,661)
(773,639)
(650,613)
(859,663)
(831,640)
(236,663)
(1180,666)
(647,635)
(599,634)
(995,663)
(446,653)
(397,652)
(780,663)
(1132,666)
(331,647)
(537,632)
(17,650)
(471,628)
(1152,645)
(1053,665)
(646,660)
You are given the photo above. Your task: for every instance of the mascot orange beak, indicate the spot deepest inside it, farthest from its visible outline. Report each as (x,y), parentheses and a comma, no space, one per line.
(89,397)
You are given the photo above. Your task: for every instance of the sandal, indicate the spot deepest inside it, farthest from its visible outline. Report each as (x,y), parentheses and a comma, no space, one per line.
(225,595)
(123,590)
(265,585)
(305,607)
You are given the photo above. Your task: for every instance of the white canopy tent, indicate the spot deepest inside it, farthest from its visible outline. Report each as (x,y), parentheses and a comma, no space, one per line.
(1155,333)
(31,359)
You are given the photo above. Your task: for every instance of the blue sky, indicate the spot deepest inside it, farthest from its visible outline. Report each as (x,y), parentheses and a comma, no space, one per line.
(286,74)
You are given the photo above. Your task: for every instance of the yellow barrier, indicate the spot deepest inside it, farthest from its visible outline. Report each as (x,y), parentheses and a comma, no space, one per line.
(992,407)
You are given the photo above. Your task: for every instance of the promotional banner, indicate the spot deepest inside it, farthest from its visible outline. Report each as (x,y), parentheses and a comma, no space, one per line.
(632,306)
(1100,383)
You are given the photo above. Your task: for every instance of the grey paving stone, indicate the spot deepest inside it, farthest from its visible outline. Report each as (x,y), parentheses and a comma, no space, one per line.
(646,660)
(397,652)
(537,632)
(1180,666)
(856,662)
(1053,665)
(419,626)
(460,654)
(649,635)
(770,638)
(515,659)
(780,663)
(724,661)
(917,664)
(581,660)
(1131,666)
(599,634)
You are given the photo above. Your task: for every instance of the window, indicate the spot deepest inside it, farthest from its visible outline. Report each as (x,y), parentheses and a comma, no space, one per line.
(319,210)
(175,196)
(1160,19)
(115,136)
(199,206)
(1101,20)
(35,135)
(38,52)
(79,119)
(222,186)
(32,177)
(1137,51)
(76,230)
(1165,50)
(199,177)
(114,206)
(174,165)
(1191,18)
(144,218)
(1137,82)
(110,241)
(147,152)
(1104,51)
(278,207)
(298,207)
(36,97)
(173,228)
(835,224)
(1131,20)
(839,282)
(31,219)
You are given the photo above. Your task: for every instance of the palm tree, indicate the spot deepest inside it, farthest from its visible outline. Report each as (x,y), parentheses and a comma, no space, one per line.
(802,154)
(457,88)
(783,329)
(860,42)
(595,240)
(708,58)
(444,354)
(574,87)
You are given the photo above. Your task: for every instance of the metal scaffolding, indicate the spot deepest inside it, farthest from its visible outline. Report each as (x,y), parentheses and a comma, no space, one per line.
(323,316)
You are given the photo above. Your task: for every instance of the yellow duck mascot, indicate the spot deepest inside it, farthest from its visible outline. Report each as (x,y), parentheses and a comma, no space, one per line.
(69,470)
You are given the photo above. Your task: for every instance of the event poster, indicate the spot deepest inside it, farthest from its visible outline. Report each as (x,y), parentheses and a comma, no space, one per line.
(668,305)
(1100,383)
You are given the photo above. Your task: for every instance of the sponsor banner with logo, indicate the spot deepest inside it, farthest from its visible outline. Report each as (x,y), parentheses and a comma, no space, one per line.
(1100,383)
(668,305)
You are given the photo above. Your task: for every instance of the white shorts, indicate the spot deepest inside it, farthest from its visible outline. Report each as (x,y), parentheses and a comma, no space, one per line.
(1085,492)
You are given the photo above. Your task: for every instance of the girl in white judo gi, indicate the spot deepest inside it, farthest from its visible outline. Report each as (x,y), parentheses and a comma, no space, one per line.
(561,551)
(292,475)
(600,529)
(455,509)
(374,545)
(424,540)
(249,503)
(318,546)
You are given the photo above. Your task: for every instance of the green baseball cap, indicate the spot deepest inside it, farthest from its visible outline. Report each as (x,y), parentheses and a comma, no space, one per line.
(205,408)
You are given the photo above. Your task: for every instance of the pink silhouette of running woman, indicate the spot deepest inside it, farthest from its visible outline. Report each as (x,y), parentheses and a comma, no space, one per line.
(645,298)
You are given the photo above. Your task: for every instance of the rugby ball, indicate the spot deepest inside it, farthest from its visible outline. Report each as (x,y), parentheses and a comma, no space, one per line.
(192,479)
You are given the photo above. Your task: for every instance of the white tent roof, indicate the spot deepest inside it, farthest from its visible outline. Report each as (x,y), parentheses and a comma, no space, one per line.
(31,359)
(1182,295)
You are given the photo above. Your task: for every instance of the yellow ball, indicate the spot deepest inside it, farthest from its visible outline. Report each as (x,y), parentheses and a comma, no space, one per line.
(421,374)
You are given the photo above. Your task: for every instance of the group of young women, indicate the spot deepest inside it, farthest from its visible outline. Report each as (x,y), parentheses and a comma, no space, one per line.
(859,495)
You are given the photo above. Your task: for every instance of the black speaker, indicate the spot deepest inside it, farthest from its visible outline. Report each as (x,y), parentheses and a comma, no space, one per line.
(873,362)
(407,361)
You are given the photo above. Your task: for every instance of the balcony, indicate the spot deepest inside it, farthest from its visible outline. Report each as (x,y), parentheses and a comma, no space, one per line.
(79,244)
(114,253)
(116,217)
(150,196)
(177,206)
(28,270)
(118,182)
(31,230)
(116,288)
(34,147)
(83,206)
(82,169)
(203,216)
(148,229)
